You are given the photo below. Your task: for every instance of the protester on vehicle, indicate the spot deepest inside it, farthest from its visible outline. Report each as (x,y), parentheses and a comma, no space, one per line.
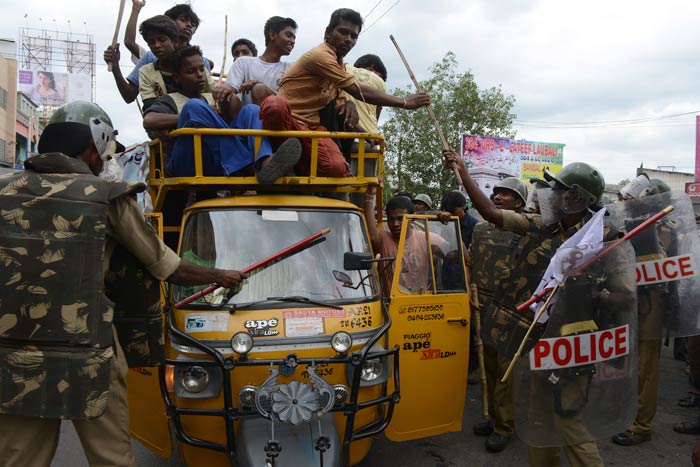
(65,361)
(583,185)
(386,242)
(491,260)
(221,155)
(155,79)
(315,80)
(243,48)
(186,21)
(371,72)
(255,78)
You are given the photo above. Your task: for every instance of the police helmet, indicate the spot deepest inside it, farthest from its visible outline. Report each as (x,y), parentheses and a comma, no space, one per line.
(514,185)
(582,178)
(655,187)
(74,125)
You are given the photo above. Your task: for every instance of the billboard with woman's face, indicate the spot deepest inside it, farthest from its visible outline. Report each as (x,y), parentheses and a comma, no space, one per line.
(50,88)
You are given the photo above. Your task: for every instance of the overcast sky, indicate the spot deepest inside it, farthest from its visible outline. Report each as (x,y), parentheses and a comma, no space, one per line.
(567,63)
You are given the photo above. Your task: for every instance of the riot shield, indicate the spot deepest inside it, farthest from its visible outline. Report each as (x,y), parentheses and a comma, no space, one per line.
(579,382)
(667,268)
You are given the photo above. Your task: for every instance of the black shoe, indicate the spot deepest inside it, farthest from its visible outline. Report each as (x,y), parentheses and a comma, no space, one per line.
(483,429)
(630,438)
(281,162)
(496,442)
(693,400)
(691,427)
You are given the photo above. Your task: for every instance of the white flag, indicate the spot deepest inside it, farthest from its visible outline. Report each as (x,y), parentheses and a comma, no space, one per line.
(574,252)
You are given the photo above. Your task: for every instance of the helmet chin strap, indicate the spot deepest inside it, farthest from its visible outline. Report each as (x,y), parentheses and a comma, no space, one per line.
(104,137)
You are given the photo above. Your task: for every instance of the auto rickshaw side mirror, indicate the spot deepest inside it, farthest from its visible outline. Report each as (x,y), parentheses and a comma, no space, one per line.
(355,261)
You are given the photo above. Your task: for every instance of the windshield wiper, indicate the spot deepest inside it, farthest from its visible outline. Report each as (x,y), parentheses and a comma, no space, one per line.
(290,298)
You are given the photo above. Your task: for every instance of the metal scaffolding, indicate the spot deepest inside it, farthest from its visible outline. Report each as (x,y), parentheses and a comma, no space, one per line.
(57,51)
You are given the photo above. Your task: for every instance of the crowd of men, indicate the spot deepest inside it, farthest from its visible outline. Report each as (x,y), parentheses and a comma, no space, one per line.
(317,92)
(509,249)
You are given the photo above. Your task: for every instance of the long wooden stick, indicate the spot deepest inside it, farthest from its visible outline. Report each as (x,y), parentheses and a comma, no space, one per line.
(480,355)
(223,62)
(259,265)
(529,331)
(536,298)
(116,30)
(428,107)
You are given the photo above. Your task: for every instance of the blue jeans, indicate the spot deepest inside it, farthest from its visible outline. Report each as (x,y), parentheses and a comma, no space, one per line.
(221,155)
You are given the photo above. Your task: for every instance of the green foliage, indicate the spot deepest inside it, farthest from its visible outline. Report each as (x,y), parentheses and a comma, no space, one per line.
(414,150)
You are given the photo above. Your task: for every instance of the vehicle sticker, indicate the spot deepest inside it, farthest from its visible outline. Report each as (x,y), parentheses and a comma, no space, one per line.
(432,354)
(261,327)
(206,322)
(301,327)
(315,313)
(416,342)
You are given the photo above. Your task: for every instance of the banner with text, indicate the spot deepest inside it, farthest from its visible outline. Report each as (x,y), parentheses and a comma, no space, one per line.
(493,159)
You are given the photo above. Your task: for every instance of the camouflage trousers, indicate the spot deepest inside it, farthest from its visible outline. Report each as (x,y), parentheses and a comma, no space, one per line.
(32,442)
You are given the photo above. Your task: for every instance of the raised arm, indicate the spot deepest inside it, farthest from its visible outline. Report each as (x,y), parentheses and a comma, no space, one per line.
(127,90)
(368,205)
(481,202)
(130,32)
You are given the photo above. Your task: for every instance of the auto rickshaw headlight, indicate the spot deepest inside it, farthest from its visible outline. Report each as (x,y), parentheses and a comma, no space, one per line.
(246,396)
(372,369)
(341,394)
(241,343)
(341,342)
(194,379)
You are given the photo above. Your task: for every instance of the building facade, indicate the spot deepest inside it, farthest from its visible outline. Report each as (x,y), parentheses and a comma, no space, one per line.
(8,104)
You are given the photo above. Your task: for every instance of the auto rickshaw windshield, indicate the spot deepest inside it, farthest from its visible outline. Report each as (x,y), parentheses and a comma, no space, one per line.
(235,239)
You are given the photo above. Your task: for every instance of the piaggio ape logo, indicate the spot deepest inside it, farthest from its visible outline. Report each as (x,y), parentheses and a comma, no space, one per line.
(261,327)
(432,354)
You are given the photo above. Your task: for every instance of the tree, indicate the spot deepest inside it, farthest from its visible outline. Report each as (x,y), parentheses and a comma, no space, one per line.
(414,151)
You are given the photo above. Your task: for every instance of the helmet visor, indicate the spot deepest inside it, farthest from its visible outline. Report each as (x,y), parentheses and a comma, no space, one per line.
(104,137)
(550,202)
(576,199)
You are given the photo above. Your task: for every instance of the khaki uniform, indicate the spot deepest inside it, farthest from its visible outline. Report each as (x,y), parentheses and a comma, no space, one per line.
(579,454)
(651,305)
(501,395)
(32,441)
(491,260)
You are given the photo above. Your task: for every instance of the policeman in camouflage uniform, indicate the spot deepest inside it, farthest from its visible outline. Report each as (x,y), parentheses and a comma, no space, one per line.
(59,355)
(491,260)
(651,244)
(585,185)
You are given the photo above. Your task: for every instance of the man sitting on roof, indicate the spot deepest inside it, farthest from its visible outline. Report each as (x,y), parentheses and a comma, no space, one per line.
(317,79)
(221,155)
(255,78)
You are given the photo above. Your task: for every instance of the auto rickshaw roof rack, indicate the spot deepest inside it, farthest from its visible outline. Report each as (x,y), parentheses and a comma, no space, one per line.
(369,164)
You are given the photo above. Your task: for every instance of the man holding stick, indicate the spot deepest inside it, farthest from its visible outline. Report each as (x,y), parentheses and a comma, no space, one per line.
(565,210)
(318,79)
(492,259)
